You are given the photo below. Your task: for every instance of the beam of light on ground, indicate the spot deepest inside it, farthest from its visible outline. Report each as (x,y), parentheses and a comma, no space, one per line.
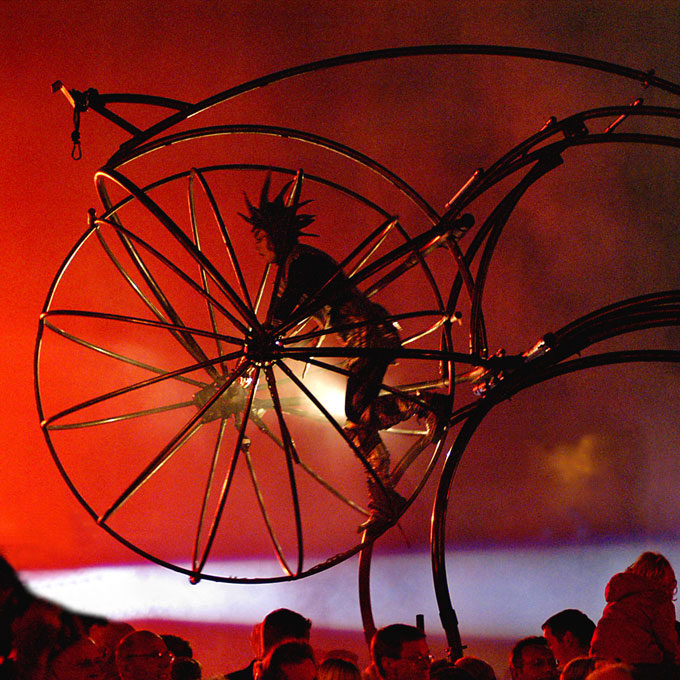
(499,593)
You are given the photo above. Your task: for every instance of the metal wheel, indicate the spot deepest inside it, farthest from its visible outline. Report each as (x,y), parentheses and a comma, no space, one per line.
(166,394)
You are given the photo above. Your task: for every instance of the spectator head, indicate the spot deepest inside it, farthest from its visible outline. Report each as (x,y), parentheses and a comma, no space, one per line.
(617,671)
(178,646)
(339,669)
(578,668)
(400,652)
(446,670)
(568,633)
(141,655)
(292,660)
(107,636)
(531,659)
(277,627)
(82,660)
(655,567)
(478,669)
(185,668)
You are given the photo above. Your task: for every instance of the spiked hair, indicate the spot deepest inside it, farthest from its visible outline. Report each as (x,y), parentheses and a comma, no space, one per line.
(278,218)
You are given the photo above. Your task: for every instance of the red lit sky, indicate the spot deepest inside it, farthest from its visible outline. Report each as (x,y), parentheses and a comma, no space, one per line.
(583,459)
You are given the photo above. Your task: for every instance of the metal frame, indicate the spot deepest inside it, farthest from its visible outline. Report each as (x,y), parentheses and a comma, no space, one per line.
(498,377)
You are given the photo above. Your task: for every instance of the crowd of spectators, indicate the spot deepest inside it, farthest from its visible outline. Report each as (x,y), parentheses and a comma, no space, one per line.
(635,638)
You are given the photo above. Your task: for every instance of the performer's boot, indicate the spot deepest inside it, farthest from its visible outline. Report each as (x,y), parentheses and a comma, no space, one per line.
(385,504)
(436,413)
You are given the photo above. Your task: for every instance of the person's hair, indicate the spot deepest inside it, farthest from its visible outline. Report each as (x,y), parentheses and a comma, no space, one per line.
(281,625)
(573,621)
(445,670)
(338,669)
(611,671)
(185,668)
(279,218)
(521,645)
(477,668)
(387,642)
(291,652)
(655,567)
(578,668)
(178,645)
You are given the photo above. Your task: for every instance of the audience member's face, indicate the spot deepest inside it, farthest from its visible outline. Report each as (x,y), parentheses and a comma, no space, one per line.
(564,650)
(81,661)
(142,655)
(305,670)
(413,663)
(537,663)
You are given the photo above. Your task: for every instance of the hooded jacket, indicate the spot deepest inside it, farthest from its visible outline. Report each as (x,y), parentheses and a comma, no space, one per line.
(638,622)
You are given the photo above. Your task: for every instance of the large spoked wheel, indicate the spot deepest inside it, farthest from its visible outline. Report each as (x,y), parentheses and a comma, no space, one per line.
(166,393)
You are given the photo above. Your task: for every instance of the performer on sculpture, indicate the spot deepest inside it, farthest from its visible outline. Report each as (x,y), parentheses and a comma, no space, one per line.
(308,273)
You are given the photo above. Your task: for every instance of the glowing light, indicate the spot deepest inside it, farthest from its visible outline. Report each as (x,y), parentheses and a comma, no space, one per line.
(329,390)
(497,593)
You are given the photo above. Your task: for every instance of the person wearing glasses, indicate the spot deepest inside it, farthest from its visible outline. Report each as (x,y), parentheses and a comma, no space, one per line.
(399,652)
(532,659)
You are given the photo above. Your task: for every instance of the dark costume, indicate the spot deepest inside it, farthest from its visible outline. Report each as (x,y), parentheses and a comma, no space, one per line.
(308,275)
(638,624)
(308,272)
(360,322)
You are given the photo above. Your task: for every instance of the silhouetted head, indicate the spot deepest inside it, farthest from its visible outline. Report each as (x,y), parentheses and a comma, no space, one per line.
(276,225)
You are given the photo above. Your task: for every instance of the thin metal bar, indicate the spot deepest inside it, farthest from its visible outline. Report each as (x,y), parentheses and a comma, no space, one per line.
(312,473)
(178,235)
(126,276)
(187,342)
(127,389)
(119,357)
(278,550)
(208,489)
(357,452)
(168,451)
(260,290)
(115,419)
(129,236)
(204,276)
(225,235)
(390,318)
(288,445)
(228,480)
(140,322)
(187,430)
(291,457)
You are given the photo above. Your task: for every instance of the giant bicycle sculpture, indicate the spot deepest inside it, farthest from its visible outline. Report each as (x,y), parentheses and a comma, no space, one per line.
(192,379)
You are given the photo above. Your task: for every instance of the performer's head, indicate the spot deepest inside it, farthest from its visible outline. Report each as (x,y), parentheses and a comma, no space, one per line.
(275,224)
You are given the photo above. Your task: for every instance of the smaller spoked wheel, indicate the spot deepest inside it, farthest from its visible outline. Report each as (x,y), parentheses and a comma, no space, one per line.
(199,427)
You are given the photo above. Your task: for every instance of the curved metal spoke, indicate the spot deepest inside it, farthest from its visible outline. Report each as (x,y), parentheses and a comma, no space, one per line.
(204,276)
(329,417)
(312,473)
